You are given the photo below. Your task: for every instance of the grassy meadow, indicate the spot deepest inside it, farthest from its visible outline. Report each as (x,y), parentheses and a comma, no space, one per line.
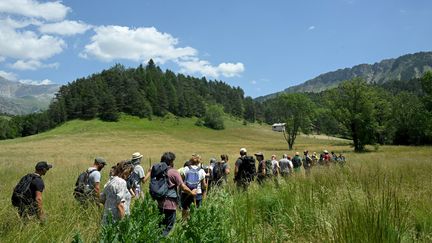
(379,196)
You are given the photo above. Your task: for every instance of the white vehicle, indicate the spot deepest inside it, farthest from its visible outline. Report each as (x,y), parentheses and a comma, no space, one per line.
(278,127)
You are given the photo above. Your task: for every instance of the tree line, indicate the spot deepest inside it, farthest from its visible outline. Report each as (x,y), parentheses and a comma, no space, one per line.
(397,112)
(144,91)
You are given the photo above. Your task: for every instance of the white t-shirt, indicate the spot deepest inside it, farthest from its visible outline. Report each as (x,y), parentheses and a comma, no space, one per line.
(94,177)
(201,174)
(139,170)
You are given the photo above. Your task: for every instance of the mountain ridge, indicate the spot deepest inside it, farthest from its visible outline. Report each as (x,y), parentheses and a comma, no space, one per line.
(405,67)
(18,98)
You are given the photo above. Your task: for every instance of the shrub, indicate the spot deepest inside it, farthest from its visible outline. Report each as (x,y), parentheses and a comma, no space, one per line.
(214,117)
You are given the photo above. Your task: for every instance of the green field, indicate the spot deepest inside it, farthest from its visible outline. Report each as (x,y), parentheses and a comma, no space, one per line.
(380,196)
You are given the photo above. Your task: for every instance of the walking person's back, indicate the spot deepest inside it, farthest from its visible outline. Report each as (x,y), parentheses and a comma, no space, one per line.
(27,194)
(87,185)
(285,166)
(297,162)
(220,171)
(245,170)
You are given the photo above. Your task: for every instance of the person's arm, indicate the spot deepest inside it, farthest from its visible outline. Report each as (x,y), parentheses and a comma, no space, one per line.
(121,209)
(97,188)
(227,169)
(236,169)
(40,212)
(186,189)
(204,185)
(146,177)
(263,169)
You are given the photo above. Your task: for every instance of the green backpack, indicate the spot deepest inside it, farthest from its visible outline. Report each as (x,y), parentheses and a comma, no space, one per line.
(269,169)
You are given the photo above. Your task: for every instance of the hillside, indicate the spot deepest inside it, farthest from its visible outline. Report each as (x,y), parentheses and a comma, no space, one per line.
(402,68)
(18,98)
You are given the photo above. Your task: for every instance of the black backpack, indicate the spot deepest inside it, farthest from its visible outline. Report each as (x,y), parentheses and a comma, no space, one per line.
(158,187)
(218,171)
(247,169)
(21,193)
(82,190)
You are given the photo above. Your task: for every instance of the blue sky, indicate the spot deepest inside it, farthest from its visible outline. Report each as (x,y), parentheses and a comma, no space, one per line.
(261,46)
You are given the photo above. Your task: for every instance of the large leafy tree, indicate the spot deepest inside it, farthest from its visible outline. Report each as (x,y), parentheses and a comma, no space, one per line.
(353,105)
(295,110)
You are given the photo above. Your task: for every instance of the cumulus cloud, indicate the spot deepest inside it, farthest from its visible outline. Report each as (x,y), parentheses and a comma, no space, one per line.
(28,45)
(203,67)
(8,75)
(311,27)
(140,44)
(33,9)
(32,65)
(36,82)
(66,27)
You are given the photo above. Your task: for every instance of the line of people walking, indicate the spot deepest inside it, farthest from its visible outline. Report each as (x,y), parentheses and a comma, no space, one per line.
(171,188)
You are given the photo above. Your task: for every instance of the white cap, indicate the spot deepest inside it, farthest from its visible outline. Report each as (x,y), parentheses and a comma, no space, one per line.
(243,150)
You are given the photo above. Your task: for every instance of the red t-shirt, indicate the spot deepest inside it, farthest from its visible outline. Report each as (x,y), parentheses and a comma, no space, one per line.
(174,181)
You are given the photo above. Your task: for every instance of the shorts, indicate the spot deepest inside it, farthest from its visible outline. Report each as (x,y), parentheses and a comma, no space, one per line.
(186,200)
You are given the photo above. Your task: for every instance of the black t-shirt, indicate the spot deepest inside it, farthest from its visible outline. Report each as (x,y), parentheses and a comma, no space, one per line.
(37,184)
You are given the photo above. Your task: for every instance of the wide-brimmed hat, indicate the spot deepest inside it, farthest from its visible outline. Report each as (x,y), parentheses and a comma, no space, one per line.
(325,151)
(136,155)
(243,150)
(259,154)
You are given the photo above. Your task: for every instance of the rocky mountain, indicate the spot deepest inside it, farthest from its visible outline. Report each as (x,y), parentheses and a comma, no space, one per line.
(18,98)
(402,68)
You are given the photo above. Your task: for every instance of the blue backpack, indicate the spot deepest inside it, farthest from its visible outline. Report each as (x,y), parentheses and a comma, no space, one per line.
(192,178)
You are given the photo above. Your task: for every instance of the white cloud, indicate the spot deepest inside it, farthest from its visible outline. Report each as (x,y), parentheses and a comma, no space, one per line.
(311,27)
(8,75)
(32,65)
(205,68)
(2,59)
(11,23)
(140,44)
(36,82)
(253,82)
(33,9)
(231,69)
(28,45)
(66,27)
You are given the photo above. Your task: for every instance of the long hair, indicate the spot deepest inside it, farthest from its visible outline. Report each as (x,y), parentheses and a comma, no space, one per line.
(123,169)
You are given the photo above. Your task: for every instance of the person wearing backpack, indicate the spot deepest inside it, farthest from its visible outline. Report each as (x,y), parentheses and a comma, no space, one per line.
(307,162)
(87,185)
(262,168)
(286,166)
(275,165)
(136,178)
(27,194)
(164,183)
(297,162)
(220,171)
(245,170)
(194,178)
(115,196)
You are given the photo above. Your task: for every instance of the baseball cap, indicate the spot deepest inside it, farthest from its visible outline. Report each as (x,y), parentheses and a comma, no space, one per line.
(100,160)
(43,165)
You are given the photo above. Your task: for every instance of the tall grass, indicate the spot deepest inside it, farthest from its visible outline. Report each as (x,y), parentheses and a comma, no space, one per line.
(382,196)
(332,205)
